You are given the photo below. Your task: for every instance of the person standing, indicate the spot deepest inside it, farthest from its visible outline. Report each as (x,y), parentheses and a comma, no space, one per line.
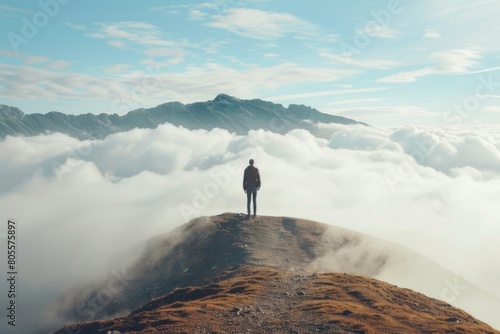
(251,184)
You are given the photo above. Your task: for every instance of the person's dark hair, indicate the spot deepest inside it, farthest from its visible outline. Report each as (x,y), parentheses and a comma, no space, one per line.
(251,162)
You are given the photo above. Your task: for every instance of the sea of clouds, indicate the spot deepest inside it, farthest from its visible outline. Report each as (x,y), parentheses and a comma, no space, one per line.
(86,208)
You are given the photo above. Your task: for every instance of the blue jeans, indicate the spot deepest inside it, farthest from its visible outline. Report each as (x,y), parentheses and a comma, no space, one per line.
(252,192)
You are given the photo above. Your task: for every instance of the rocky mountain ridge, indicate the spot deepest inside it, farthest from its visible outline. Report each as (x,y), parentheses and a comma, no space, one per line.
(226,112)
(263,300)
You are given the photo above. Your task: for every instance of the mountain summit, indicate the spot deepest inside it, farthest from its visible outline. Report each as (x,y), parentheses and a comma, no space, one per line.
(225,112)
(229,274)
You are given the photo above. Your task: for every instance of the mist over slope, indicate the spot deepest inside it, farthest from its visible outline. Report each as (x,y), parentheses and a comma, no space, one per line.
(206,250)
(199,252)
(225,112)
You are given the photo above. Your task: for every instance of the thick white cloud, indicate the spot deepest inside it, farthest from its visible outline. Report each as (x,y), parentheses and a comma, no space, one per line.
(85,208)
(443,149)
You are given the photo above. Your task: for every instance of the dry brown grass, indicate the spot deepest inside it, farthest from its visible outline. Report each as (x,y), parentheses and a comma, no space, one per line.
(229,274)
(264,300)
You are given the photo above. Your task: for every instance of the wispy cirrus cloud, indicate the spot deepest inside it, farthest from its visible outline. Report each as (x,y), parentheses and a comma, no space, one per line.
(473,23)
(129,32)
(463,9)
(118,68)
(189,85)
(455,61)
(197,15)
(46,62)
(201,11)
(74,26)
(35,59)
(259,24)
(10,54)
(15,10)
(382,111)
(432,34)
(58,64)
(379,31)
(326,93)
(367,63)
(444,62)
(492,109)
(353,101)
(142,37)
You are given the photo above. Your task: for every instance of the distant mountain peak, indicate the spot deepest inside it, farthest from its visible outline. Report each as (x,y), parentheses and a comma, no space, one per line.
(225,98)
(225,112)
(12,112)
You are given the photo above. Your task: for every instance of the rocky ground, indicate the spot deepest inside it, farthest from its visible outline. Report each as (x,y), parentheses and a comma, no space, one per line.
(263,300)
(230,274)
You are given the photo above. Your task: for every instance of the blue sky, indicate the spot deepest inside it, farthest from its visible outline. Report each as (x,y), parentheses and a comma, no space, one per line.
(382,62)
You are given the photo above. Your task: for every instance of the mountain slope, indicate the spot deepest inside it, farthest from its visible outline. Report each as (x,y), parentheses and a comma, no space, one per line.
(263,300)
(205,250)
(226,112)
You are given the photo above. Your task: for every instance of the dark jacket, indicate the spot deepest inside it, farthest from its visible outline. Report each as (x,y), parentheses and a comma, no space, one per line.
(251,178)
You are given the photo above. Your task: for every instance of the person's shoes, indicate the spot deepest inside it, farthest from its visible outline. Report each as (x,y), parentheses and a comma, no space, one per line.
(254,215)
(248,215)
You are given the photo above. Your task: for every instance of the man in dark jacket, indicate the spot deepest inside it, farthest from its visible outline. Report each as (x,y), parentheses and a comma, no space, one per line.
(251,184)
